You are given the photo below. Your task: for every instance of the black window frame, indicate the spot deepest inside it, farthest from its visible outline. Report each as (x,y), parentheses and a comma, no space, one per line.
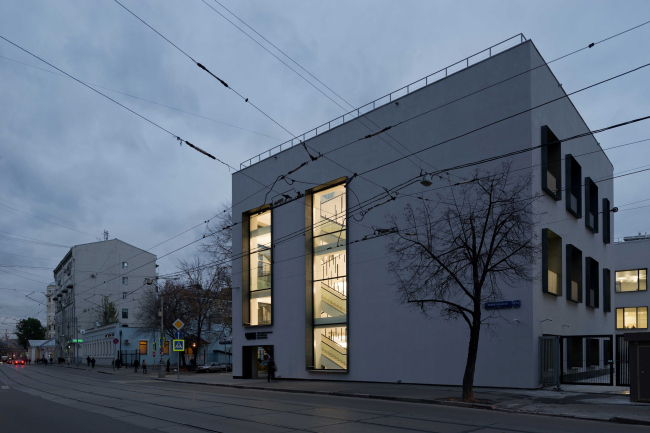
(637,280)
(573,267)
(545,262)
(637,317)
(573,174)
(246,271)
(592,282)
(551,162)
(607,290)
(591,204)
(607,221)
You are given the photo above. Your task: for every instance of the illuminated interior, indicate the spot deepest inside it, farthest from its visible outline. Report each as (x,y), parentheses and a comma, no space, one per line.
(260,267)
(632,318)
(330,286)
(631,281)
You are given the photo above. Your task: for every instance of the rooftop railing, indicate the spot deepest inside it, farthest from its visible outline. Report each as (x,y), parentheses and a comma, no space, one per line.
(351,115)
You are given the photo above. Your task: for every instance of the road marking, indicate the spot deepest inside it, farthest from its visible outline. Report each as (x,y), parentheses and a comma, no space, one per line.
(5,387)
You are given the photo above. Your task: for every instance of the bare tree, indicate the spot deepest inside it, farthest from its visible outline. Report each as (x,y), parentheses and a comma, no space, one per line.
(175,307)
(453,255)
(207,290)
(218,239)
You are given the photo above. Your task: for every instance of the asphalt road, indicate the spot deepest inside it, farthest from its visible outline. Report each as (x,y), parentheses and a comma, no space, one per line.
(36,398)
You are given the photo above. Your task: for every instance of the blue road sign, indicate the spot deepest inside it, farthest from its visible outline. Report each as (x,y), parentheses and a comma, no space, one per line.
(178,335)
(179,345)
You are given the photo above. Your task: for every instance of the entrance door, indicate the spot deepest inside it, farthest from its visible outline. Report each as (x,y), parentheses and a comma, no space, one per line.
(643,353)
(254,360)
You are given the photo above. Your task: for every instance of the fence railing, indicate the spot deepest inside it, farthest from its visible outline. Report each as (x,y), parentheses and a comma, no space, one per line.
(357,112)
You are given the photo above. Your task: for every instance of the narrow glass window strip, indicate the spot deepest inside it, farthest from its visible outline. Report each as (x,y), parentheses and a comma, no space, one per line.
(260,259)
(329,279)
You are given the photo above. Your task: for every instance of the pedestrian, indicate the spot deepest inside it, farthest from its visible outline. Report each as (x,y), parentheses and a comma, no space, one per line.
(51,361)
(92,362)
(88,361)
(113,364)
(44,358)
(167,365)
(136,364)
(271,367)
(144,366)
(118,363)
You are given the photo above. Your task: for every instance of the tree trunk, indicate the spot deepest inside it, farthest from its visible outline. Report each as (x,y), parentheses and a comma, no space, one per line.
(470,367)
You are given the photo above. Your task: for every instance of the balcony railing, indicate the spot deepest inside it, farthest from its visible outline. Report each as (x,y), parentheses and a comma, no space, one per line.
(351,115)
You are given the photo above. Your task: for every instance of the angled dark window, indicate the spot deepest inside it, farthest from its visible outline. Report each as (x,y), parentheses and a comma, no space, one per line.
(591,205)
(573,186)
(551,164)
(607,290)
(607,234)
(591,282)
(551,263)
(573,273)
(257,268)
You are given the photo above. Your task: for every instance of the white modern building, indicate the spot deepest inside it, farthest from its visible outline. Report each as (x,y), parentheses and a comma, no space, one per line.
(50,309)
(311,293)
(86,275)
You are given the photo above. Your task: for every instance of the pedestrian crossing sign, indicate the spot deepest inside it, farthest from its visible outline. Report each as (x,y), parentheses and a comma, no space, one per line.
(179,345)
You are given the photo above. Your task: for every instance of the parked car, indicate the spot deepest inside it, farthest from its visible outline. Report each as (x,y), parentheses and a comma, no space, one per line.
(225,366)
(210,367)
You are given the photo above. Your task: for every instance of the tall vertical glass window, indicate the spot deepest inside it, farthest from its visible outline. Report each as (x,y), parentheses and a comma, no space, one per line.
(330,288)
(260,268)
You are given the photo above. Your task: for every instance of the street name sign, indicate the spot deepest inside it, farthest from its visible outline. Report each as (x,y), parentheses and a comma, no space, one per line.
(179,345)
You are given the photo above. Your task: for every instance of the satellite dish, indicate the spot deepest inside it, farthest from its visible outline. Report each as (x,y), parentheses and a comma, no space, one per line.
(82,331)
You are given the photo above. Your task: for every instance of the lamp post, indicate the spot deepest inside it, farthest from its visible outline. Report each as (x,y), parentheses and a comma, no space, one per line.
(161,372)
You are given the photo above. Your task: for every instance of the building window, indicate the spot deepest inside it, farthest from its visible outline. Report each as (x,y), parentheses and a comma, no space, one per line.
(607,224)
(631,281)
(551,263)
(258,264)
(591,205)
(574,273)
(125,313)
(591,282)
(125,280)
(125,265)
(144,349)
(124,295)
(329,278)
(607,290)
(573,186)
(551,164)
(632,318)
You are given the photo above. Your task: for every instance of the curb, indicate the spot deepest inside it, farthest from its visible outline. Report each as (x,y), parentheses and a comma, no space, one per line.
(459,404)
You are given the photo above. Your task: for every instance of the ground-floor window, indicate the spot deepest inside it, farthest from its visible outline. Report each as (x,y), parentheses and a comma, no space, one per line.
(331,348)
(144,349)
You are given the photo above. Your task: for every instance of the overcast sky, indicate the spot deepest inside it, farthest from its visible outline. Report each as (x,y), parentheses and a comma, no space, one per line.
(70,156)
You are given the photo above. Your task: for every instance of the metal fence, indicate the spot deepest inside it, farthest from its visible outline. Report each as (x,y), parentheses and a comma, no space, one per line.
(586,360)
(549,361)
(354,114)
(128,356)
(622,362)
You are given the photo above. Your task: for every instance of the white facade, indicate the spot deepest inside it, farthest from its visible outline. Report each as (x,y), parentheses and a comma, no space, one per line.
(631,296)
(87,274)
(381,339)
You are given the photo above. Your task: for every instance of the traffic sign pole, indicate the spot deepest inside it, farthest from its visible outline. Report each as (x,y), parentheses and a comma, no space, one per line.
(161,372)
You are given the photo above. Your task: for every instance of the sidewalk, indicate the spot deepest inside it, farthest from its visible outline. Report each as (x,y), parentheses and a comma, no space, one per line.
(601,403)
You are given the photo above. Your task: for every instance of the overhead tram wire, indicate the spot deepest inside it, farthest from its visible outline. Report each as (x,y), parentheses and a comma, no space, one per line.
(237,93)
(502,119)
(43,219)
(147,100)
(497,83)
(500,82)
(307,81)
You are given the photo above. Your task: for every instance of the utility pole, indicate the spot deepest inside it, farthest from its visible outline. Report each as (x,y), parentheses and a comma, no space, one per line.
(161,372)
